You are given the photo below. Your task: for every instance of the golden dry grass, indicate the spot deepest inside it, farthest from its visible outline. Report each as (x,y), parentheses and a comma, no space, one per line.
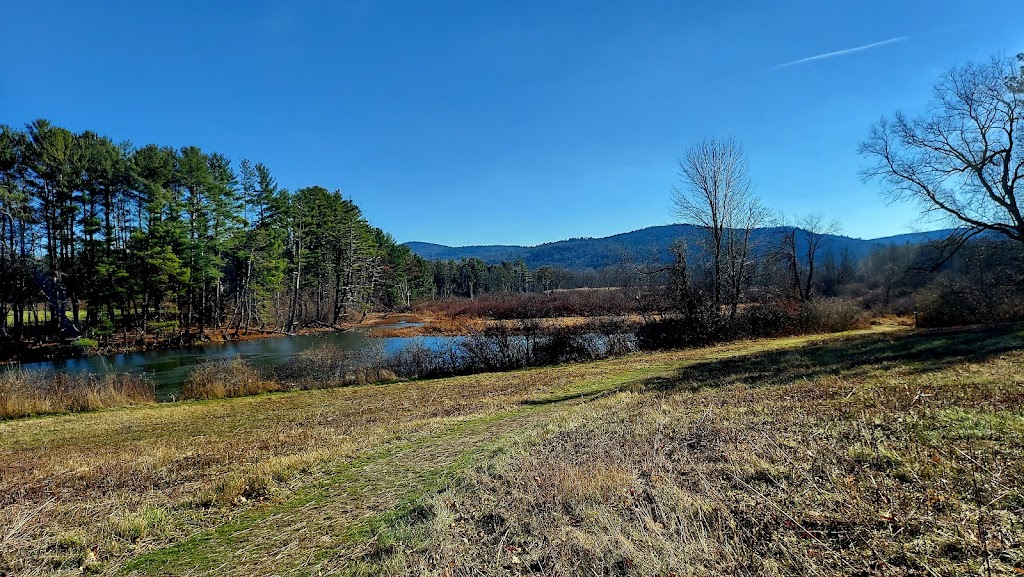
(432,325)
(891,457)
(24,393)
(228,378)
(689,461)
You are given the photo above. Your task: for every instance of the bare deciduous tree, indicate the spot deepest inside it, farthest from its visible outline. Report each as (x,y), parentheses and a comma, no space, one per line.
(801,243)
(960,159)
(717,195)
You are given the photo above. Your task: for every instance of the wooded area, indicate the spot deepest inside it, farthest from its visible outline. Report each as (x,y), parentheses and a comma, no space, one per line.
(106,240)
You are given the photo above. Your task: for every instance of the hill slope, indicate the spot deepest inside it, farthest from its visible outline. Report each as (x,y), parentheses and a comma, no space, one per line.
(583,253)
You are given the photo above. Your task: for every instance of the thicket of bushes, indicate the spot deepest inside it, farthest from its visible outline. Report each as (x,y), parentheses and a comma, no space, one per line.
(702,326)
(952,301)
(513,345)
(330,365)
(514,305)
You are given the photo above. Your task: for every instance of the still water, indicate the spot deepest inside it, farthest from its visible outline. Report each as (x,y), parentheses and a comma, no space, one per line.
(169,368)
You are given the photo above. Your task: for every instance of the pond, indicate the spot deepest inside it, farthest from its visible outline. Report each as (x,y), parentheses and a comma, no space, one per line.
(169,368)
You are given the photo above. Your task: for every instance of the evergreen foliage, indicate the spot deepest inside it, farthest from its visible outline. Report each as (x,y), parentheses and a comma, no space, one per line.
(110,240)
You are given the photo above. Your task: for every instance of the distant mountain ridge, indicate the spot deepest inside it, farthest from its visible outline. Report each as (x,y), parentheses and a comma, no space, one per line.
(595,253)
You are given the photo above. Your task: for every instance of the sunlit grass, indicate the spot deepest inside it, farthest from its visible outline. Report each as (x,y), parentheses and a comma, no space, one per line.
(715,460)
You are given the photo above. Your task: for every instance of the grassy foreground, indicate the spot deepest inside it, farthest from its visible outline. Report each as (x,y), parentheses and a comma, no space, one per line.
(892,452)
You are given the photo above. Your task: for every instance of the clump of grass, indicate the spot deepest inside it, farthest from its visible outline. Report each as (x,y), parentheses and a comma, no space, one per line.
(239,487)
(72,552)
(86,343)
(221,379)
(24,393)
(133,526)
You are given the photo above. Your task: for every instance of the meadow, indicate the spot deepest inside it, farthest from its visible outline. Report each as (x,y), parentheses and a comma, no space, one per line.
(878,451)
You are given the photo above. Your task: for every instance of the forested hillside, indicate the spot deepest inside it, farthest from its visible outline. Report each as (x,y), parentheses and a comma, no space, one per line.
(106,239)
(596,253)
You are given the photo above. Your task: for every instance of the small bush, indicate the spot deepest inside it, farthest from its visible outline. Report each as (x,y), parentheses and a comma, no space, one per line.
(946,303)
(499,349)
(417,360)
(85,343)
(701,328)
(767,320)
(333,366)
(220,379)
(565,347)
(834,315)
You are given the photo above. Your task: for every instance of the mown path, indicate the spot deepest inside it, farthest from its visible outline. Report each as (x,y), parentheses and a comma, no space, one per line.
(139,491)
(321,529)
(318,530)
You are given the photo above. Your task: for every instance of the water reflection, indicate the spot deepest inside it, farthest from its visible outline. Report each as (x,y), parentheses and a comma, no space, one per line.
(169,368)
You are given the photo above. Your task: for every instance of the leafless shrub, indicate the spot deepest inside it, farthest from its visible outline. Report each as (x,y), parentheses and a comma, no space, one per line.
(496,349)
(333,366)
(418,360)
(834,315)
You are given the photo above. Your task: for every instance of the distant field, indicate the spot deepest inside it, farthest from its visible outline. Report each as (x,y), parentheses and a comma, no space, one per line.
(873,452)
(29,317)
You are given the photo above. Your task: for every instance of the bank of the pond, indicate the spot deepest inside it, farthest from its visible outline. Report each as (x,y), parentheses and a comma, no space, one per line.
(33,352)
(168,369)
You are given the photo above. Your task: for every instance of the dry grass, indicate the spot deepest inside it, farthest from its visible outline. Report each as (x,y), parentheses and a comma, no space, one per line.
(897,457)
(25,393)
(222,379)
(865,454)
(204,462)
(432,325)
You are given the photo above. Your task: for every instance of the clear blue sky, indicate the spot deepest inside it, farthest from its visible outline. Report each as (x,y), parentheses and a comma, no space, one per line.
(503,122)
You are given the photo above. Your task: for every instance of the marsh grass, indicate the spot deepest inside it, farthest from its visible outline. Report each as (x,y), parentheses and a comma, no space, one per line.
(25,393)
(228,378)
(324,367)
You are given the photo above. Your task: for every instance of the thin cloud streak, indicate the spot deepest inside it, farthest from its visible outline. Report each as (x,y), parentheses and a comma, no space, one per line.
(843,52)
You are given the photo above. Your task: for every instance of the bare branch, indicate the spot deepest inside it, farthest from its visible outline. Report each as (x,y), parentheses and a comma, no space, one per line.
(960,158)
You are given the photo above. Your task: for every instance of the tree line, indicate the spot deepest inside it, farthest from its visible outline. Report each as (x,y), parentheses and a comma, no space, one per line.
(101,238)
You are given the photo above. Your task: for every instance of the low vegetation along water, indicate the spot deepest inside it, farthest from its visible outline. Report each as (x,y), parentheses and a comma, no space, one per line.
(169,368)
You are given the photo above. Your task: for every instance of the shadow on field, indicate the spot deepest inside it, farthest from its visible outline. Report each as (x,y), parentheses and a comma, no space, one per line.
(920,351)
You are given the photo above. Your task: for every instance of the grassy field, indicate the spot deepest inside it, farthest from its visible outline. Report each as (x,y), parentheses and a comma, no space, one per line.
(875,452)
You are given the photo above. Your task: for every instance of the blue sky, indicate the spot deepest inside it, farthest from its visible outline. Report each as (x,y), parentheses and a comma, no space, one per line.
(504,123)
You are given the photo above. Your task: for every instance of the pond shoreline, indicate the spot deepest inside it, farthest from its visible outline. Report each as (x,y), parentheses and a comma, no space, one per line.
(62,351)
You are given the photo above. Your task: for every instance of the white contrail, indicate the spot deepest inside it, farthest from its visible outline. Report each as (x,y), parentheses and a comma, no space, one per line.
(843,52)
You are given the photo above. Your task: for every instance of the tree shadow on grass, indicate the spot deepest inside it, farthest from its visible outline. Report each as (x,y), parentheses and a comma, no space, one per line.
(852,357)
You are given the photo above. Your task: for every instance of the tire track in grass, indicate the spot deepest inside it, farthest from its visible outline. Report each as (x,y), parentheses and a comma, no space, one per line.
(297,535)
